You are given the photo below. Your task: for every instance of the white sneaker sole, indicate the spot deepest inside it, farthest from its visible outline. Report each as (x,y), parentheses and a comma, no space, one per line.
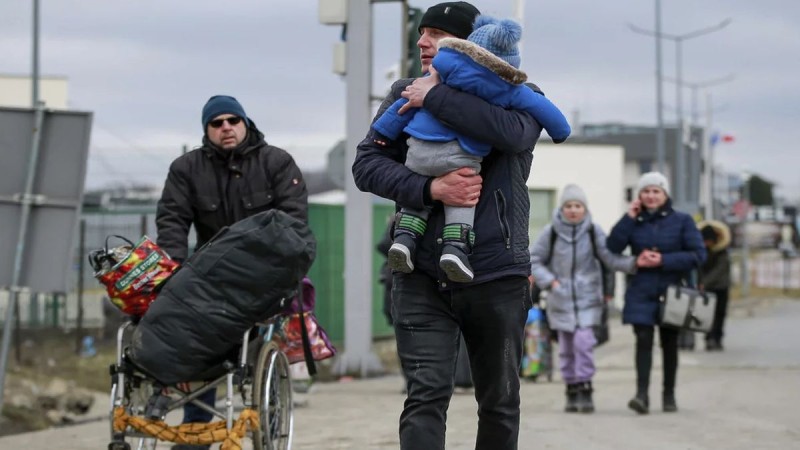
(455,269)
(399,259)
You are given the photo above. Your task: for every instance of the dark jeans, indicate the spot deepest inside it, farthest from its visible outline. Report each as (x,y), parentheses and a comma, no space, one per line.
(192,413)
(428,323)
(644,355)
(718,329)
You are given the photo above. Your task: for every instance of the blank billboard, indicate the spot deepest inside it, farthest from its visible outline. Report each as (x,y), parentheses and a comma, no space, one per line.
(58,189)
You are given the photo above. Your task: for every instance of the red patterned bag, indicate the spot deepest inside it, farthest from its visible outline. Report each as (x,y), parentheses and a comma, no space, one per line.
(132,273)
(290,331)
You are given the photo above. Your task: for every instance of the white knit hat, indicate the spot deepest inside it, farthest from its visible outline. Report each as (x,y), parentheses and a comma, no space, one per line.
(573,192)
(656,179)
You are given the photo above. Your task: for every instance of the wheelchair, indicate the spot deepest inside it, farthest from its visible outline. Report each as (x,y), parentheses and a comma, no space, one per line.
(260,378)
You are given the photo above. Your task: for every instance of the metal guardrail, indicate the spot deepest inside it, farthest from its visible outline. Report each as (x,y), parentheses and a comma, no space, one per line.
(55,310)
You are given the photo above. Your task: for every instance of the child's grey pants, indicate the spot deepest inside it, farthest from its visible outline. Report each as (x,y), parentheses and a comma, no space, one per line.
(434,159)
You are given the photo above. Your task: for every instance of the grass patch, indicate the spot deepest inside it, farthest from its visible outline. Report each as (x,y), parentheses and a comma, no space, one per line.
(48,354)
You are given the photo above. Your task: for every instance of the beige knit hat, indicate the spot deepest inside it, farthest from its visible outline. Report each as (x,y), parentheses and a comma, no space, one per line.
(573,192)
(656,179)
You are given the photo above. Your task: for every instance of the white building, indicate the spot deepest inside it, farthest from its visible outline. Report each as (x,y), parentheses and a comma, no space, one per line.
(598,169)
(15,91)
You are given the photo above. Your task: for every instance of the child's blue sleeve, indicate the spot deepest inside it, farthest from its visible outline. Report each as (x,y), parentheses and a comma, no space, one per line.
(543,111)
(391,123)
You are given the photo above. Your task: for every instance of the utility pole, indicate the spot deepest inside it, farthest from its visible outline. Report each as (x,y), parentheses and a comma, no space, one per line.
(519,14)
(403,67)
(745,291)
(79,287)
(660,156)
(357,357)
(660,151)
(679,177)
(695,87)
(35,56)
(353,59)
(27,203)
(706,148)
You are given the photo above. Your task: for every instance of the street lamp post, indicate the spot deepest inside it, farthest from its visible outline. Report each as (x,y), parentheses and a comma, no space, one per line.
(357,356)
(745,290)
(660,164)
(519,14)
(660,147)
(13,298)
(680,157)
(696,86)
(706,147)
(35,56)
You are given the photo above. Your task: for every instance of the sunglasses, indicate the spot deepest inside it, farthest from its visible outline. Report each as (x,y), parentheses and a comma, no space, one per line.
(231,121)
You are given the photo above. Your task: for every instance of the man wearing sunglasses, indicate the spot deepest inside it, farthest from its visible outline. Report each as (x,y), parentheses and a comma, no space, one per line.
(233,175)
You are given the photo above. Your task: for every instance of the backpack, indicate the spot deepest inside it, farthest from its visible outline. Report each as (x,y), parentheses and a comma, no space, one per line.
(536,291)
(601,332)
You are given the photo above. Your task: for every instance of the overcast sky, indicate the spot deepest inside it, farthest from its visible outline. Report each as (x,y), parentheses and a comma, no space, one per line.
(147,67)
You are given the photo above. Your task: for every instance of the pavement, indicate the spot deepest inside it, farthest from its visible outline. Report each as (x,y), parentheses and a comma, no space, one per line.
(747,397)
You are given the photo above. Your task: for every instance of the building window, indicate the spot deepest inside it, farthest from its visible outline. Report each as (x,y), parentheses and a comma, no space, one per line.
(645,166)
(542,203)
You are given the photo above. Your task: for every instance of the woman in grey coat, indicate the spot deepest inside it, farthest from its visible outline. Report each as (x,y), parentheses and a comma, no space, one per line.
(567,259)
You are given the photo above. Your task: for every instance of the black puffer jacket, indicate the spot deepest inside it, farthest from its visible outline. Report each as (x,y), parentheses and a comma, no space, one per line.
(502,214)
(244,276)
(214,188)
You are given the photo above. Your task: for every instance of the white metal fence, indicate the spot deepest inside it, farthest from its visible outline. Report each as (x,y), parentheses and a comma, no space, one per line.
(774,271)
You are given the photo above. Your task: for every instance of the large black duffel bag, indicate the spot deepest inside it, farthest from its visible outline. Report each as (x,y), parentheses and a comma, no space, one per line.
(242,276)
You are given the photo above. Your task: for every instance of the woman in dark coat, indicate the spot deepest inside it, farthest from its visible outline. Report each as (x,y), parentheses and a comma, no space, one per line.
(715,276)
(668,246)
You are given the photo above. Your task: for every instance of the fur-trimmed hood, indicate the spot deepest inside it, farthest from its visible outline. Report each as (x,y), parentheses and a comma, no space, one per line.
(570,231)
(485,58)
(723,234)
(459,68)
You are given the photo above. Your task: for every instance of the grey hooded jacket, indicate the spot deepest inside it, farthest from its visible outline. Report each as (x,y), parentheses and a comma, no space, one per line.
(578,301)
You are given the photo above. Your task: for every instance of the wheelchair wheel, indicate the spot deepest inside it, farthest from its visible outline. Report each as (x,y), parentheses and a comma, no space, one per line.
(272,398)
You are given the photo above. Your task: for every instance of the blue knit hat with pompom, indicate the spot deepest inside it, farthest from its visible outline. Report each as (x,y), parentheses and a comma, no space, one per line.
(499,37)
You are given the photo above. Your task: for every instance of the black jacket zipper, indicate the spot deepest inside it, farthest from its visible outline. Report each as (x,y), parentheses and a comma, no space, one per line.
(500,201)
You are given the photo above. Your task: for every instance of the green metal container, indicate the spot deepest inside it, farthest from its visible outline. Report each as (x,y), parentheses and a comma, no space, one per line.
(327,273)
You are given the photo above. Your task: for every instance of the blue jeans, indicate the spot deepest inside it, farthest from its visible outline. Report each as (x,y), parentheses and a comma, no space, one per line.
(428,323)
(192,413)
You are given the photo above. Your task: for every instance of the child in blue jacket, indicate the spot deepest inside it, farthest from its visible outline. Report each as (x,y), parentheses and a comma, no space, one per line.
(486,64)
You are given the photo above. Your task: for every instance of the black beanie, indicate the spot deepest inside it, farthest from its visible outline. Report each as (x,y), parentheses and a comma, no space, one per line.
(455,18)
(222,104)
